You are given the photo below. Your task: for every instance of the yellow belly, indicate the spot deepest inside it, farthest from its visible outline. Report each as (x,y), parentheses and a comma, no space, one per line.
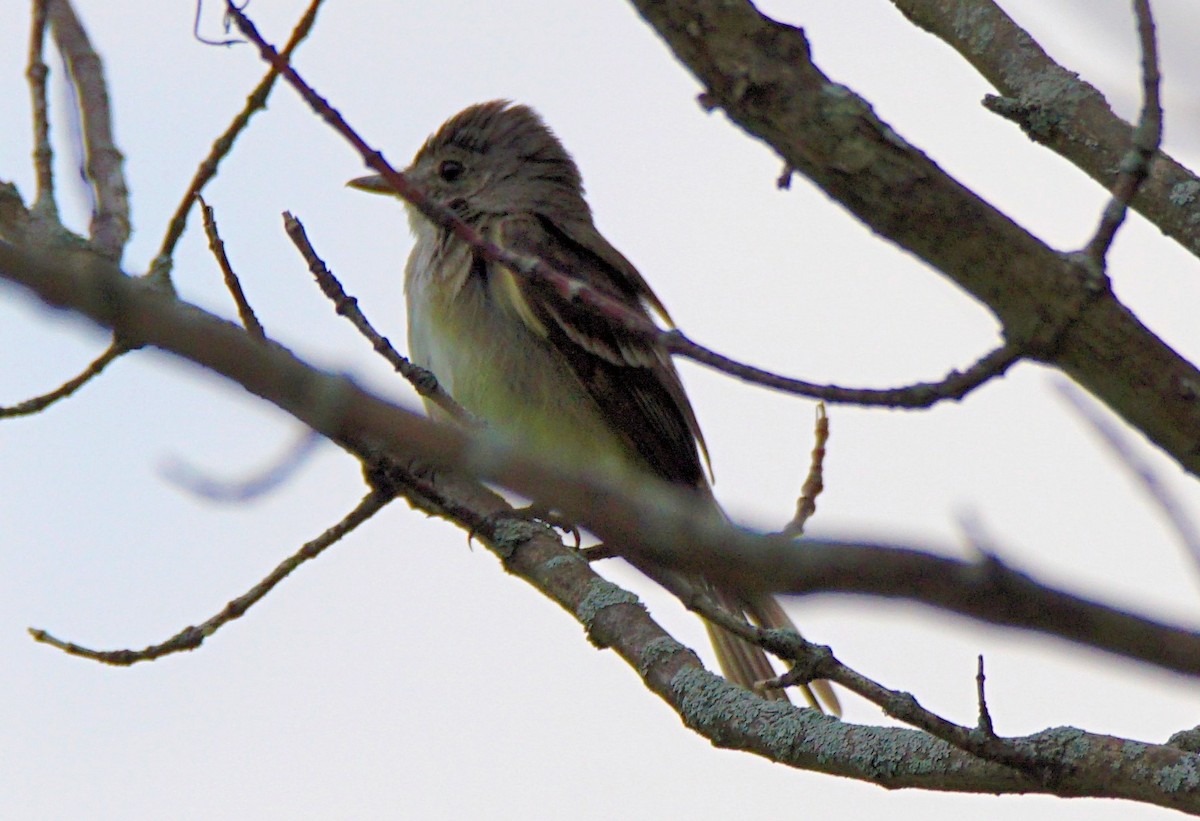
(510,377)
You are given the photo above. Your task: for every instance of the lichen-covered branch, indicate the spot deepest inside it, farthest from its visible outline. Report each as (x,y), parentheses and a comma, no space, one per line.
(1057,108)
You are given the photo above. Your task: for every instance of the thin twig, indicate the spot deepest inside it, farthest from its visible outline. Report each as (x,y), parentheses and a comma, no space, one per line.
(814,483)
(110,221)
(255,102)
(809,661)
(1135,166)
(425,383)
(192,637)
(1138,467)
(599,552)
(232,283)
(570,289)
(985,717)
(88,77)
(246,489)
(905,707)
(43,154)
(784,181)
(40,403)
(701,600)
(954,386)
(205,40)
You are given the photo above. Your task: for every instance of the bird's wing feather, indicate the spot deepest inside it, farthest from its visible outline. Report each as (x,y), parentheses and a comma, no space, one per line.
(633,382)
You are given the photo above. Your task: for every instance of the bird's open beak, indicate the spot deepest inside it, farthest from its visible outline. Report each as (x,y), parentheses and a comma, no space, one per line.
(374,183)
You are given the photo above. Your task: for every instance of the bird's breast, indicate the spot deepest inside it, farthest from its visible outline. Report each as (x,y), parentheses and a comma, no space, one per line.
(501,370)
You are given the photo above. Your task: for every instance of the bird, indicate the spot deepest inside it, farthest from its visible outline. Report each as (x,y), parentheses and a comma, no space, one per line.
(547,373)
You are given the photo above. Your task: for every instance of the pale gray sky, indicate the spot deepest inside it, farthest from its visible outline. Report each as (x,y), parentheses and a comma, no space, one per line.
(405,675)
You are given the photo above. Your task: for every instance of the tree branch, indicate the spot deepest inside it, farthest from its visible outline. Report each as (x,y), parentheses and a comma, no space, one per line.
(1135,166)
(1058,110)
(232,283)
(423,382)
(36,73)
(661,523)
(1172,508)
(192,637)
(110,219)
(810,661)
(38,404)
(761,74)
(1063,761)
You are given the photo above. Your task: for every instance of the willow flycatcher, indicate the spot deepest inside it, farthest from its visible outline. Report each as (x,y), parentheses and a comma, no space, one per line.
(561,378)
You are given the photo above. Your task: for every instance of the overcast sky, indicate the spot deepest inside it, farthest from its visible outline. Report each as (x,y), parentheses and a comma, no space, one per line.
(404,674)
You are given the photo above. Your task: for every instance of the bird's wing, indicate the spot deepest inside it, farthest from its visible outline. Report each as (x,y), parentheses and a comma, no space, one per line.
(633,382)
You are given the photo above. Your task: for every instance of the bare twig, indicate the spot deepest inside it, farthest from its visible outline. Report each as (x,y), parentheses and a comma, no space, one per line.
(814,483)
(255,102)
(423,381)
(985,717)
(904,707)
(43,154)
(1138,467)
(599,552)
(110,221)
(192,637)
(40,403)
(784,181)
(246,489)
(571,289)
(1135,166)
(974,531)
(232,283)
(207,41)
(954,386)
(809,662)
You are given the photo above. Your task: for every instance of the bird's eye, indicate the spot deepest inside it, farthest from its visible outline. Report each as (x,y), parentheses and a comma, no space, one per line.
(450,170)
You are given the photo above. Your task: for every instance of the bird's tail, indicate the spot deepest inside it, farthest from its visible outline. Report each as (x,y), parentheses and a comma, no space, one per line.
(746,664)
